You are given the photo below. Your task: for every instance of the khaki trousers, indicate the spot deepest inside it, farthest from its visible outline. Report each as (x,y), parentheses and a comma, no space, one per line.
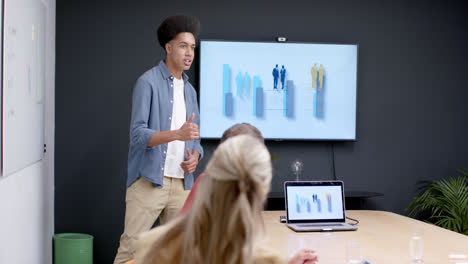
(144,204)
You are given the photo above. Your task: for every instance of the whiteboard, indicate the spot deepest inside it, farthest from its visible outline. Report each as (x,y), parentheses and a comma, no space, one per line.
(23,84)
(1,92)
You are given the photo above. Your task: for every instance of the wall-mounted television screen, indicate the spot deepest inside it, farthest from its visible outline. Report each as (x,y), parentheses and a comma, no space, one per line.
(302,91)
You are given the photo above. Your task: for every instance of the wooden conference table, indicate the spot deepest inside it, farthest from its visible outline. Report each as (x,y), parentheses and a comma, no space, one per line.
(383,238)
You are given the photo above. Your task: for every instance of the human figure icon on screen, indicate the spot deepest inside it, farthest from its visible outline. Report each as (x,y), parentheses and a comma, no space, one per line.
(275,77)
(283,76)
(313,71)
(321,71)
(317,201)
(329,202)
(239,84)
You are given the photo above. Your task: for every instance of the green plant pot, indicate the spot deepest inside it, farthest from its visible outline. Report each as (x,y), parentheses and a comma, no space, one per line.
(73,248)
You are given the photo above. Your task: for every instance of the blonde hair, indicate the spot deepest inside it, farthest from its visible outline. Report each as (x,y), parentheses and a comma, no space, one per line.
(225,221)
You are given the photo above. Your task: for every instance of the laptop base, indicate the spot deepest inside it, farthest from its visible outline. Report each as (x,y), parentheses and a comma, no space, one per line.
(322,227)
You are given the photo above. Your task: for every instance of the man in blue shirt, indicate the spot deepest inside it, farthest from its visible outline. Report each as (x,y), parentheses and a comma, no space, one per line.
(164,137)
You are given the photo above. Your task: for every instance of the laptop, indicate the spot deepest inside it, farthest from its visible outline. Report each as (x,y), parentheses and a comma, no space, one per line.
(316,206)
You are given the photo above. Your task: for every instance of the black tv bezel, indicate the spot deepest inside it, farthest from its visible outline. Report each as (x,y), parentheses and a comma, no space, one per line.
(317,183)
(280,43)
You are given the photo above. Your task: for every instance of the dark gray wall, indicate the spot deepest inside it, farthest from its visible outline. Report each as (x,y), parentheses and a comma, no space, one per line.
(412,94)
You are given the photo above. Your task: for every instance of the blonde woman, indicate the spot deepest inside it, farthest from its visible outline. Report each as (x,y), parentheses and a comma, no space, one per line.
(225,224)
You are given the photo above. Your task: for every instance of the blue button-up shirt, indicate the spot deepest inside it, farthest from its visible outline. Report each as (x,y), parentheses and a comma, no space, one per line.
(153,97)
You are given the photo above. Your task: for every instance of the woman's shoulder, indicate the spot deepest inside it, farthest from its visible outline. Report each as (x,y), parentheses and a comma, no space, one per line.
(265,255)
(147,239)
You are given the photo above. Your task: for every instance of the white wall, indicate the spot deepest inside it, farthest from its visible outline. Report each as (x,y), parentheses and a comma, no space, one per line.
(27,196)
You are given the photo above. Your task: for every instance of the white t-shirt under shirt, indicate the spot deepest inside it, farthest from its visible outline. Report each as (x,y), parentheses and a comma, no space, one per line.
(175,149)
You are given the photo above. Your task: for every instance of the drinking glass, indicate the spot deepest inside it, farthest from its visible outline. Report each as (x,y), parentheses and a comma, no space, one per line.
(353,253)
(416,245)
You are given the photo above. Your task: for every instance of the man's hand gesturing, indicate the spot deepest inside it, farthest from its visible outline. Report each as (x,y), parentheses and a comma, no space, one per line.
(188,131)
(191,163)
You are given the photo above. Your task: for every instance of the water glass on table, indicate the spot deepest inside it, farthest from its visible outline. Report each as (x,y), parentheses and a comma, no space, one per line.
(353,253)
(416,245)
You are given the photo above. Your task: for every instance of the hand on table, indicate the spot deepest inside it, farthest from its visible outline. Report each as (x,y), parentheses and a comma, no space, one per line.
(304,256)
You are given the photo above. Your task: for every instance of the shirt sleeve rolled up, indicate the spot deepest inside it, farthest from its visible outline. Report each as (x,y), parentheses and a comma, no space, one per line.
(140,133)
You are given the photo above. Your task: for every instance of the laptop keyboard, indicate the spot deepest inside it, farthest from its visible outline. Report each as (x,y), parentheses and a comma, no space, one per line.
(311,225)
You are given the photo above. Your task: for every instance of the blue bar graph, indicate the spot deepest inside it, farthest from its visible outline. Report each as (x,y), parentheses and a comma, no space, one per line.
(256,84)
(288,99)
(227,99)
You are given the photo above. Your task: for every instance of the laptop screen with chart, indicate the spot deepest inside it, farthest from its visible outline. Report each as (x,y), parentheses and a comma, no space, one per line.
(315,201)
(316,206)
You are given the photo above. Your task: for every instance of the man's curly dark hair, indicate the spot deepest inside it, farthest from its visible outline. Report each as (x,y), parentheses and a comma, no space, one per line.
(174,25)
